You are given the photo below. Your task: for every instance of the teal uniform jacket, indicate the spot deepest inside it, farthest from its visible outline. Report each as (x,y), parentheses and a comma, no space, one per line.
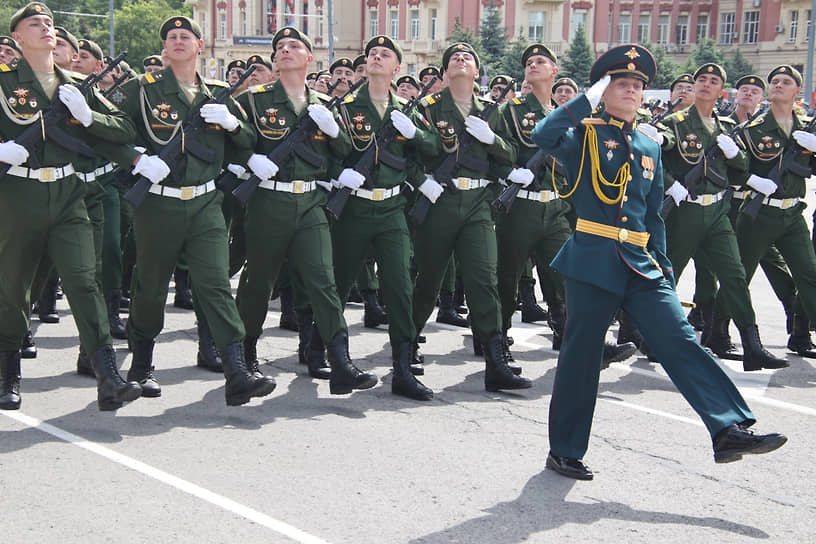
(593,259)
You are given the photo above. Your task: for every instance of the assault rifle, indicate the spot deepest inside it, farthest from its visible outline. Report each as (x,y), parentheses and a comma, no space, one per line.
(36,133)
(374,153)
(660,116)
(701,170)
(294,143)
(461,157)
(116,82)
(538,161)
(786,163)
(185,141)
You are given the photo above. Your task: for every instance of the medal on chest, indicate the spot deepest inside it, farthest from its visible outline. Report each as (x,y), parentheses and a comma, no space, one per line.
(648,165)
(611,145)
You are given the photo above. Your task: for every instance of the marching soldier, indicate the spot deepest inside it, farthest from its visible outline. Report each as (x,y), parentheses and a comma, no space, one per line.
(408,87)
(9,51)
(181,215)
(235,70)
(42,209)
(617,258)
(700,227)
(285,219)
(152,63)
(459,222)
(497,85)
(359,67)
(683,88)
(563,90)
(66,50)
(425,76)
(342,75)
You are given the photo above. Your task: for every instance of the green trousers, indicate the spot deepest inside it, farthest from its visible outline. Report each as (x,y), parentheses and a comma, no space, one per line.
(167,230)
(38,218)
(111,239)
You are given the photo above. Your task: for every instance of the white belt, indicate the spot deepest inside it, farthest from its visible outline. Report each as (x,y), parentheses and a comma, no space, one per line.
(377,194)
(538,196)
(741,195)
(88,177)
(466,184)
(707,199)
(297,186)
(45,174)
(781,203)
(183,193)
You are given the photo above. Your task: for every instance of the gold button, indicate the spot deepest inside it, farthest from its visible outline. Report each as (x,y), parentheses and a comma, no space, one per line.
(625,198)
(624,219)
(631,156)
(629,178)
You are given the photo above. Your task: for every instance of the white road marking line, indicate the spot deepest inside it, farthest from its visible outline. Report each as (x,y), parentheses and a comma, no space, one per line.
(654,412)
(182,485)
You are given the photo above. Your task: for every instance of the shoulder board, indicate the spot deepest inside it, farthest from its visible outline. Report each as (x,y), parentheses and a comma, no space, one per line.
(519,99)
(680,116)
(7,68)
(593,121)
(350,98)
(323,96)
(431,99)
(644,112)
(726,120)
(758,121)
(148,79)
(255,89)
(401,100)
(805,119)
(215,82)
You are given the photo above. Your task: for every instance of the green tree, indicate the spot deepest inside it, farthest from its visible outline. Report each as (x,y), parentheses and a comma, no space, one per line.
(579,58)
(464,35)
(136,26)
(667,70)
(511,61)
(705,52)
(737,67)
(493,37)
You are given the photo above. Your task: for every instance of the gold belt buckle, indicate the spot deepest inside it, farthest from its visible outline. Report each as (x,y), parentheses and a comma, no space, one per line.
(623,235)
(544,196)
(462,184)
(378,194)
(707,200)
(187,193)
(48,174)
(786,203)
(297,186)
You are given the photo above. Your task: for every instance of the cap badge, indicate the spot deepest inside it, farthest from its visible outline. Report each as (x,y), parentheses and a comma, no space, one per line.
(632,53)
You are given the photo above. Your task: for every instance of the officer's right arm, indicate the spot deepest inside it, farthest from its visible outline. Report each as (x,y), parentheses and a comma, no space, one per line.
(553,134)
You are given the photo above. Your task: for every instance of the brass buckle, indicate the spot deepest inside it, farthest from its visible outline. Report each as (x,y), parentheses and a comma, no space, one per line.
(462,184)
(623,235)
(297,186)
(378,194)
(187,193)
(48,174)
(707,200)
(544,196)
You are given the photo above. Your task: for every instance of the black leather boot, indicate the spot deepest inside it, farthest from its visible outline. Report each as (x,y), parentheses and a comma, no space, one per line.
(708,324)
(10,398)
(627,332)
(344,375)
(141,368)
(447,311)
(531,312)
(305,331)
(459,298)
(478,350)
(756,356)
(498,375)
(799,341)
(508,355)
(208,357)
(111,390)
(789,303)
(696,319)
(613,353)
(117,328)
(251,356)
(720,340)
(47,304)
(242,384)
(373,314)
(84,366)
(316,360)
(288,318)
(184,296)
(557,320)
(417,360)
(29,350)
(404,383)
(354,295)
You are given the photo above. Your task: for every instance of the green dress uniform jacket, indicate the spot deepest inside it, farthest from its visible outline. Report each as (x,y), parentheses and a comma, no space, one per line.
(192,227)
(460,222)
(48,214)
(286,222)
(375,224)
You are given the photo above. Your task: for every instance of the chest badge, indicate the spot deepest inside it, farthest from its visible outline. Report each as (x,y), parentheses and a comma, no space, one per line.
(21,94)
(611,145)
(648,165)
(32,102)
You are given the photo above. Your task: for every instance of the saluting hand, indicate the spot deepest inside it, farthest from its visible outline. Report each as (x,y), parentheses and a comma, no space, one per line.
(13,153)
(595,93)
(75,102)
(480,129)
(324,119)
(219,114)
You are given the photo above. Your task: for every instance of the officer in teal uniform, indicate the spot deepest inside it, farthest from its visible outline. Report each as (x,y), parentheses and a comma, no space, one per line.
(617,258)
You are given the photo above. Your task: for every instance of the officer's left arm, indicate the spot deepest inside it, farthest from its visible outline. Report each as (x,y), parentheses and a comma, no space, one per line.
(245,135)
(654,222)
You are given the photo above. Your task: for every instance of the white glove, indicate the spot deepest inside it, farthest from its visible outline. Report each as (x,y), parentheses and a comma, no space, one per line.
(73,99)
(236,169)
(324,119)
(728,146)
(522,176)
(479,129)
(652,132)
(13,153)
(262,167)
(152,167)
(325,184)
(763,185)
(219,114)
(678,192)
(351,178)
(431,188)
(403,124)
(595,92)
(805,139)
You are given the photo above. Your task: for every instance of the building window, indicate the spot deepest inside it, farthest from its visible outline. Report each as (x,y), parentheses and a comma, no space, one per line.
(682,29)
(577,19)
(535,28)
(609,34)
(305,18)
(807,26)
(412,69)
(702,27)
(373,23)
(320,22)
(203,22)
(624,28)
(750,27)
(644,23)
(271,16)
(414,24)
(794,26)
(663,29)
(726,28)
(222,25)
(243,22)
(393,27)
(433,24)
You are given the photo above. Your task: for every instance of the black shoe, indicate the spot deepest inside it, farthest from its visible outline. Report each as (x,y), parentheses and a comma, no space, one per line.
(557,321)
(28,350)
(569,467)
(498,375)
(734,441)
(756,356)
(447,311)
(373,314)
(531,312)
(124,304)
(344,375)
(417,365)
(47,304)
(184,296)
(354,295)
(305,330)
(112,302)
(208,357)
(613,353)
(319,369)
(10,398)
(141,368)
(112,391)
(404,383)
(251,356)
(288,318)
(799,341)
(84,366)
(695,318)
(242,383)
(720,340)
(508,355)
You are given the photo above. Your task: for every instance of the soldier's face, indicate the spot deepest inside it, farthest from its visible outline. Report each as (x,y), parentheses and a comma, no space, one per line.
(85,63)
(382,61)
(462,64)
(35,33)
(360,72)
(345,76)
(292,54)
(564,94)
(407,91)
(234,75)
(783,88)
(151,69)
(182,45)
(540,68)
(749,96)
(496,90)
(321,85)
(623,97)
(261,76)
(685,92)
(7,54)
(64,54)
(707,87)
